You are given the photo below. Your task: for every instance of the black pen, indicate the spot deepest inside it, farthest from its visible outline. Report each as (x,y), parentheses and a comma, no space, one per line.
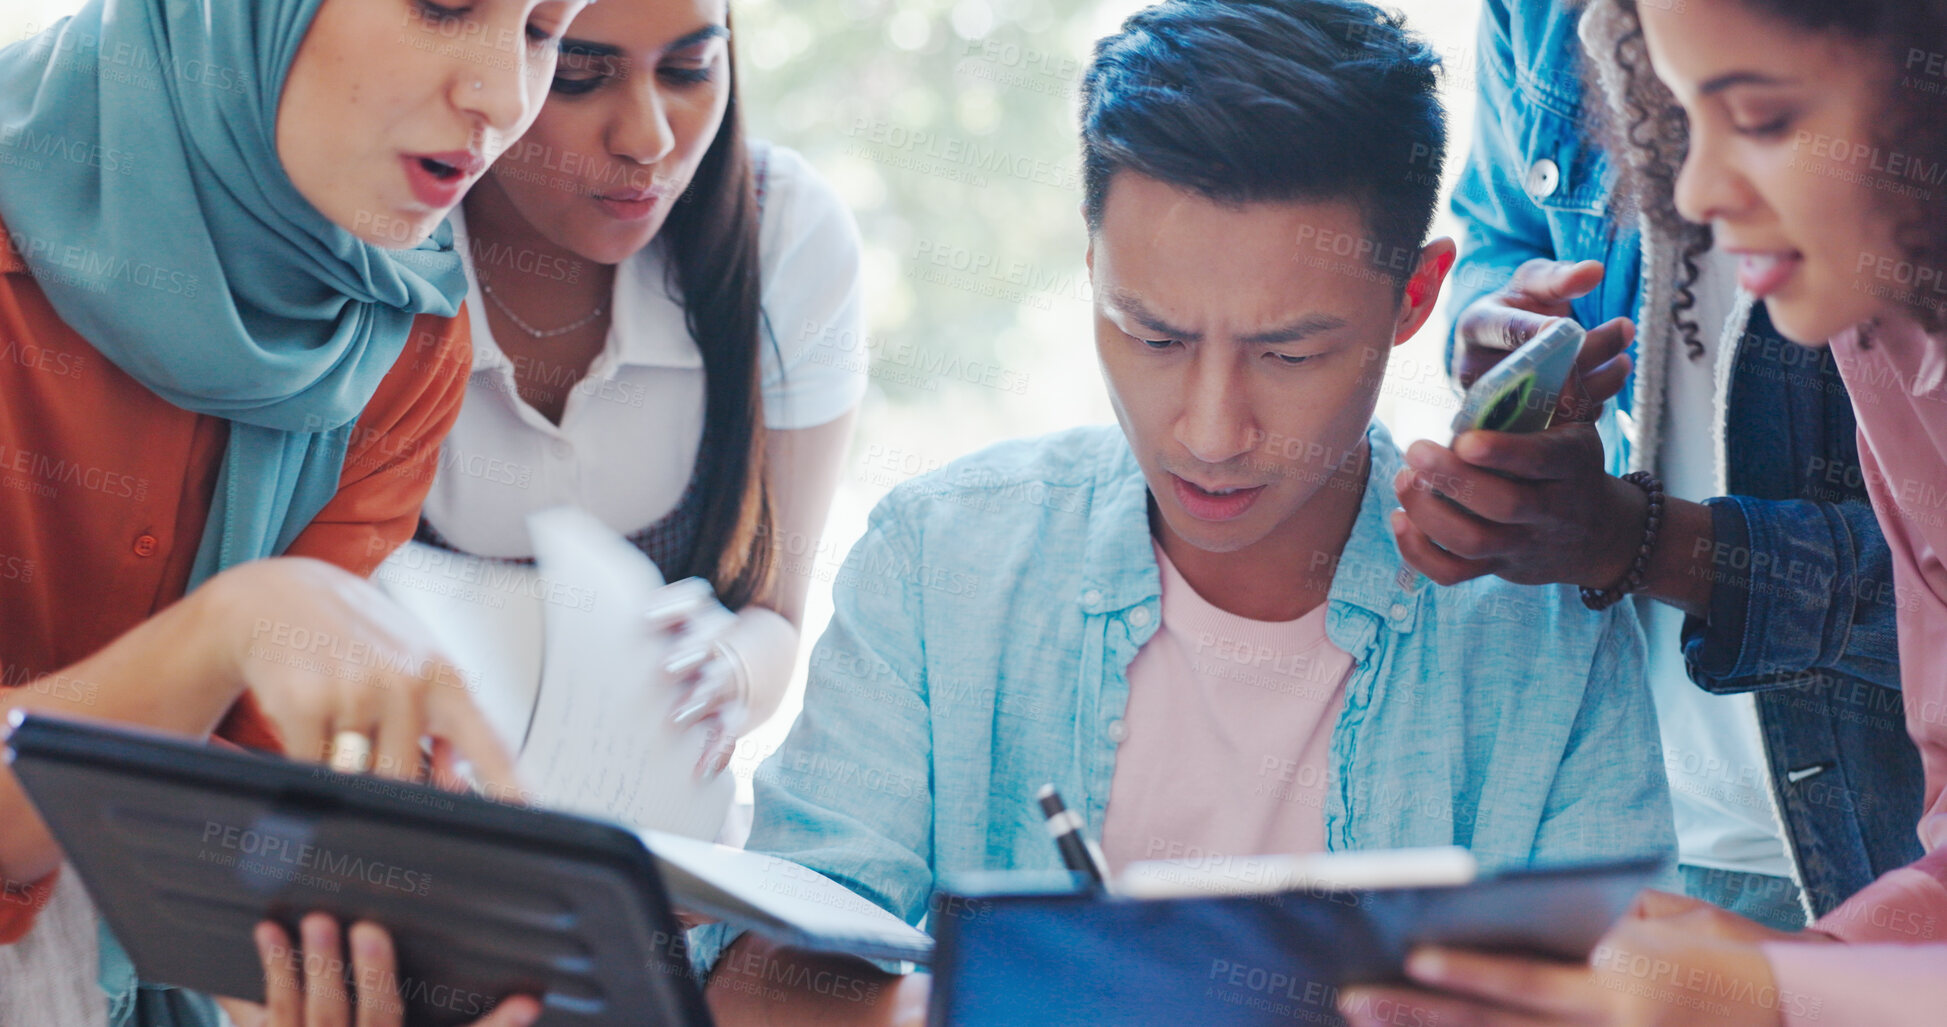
(1065,826)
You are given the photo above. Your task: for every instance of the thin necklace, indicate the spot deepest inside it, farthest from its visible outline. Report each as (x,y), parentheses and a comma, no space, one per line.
(530,329)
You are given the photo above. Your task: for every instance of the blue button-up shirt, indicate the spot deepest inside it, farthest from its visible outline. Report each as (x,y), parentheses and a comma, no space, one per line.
(980,644)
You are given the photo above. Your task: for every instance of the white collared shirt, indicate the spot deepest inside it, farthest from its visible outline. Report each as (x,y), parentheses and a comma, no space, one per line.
(628,437)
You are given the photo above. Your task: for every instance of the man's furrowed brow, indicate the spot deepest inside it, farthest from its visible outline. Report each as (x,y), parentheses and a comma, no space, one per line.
(1297,331)
(1132,308)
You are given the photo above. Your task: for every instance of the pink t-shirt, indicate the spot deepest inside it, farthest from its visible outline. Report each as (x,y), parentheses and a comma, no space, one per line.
(1229,734)
(1895,972)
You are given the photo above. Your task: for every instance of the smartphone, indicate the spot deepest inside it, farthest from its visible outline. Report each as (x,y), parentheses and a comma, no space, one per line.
(1519,393)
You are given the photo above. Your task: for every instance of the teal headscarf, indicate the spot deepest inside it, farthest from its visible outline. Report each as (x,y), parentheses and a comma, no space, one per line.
(163,228)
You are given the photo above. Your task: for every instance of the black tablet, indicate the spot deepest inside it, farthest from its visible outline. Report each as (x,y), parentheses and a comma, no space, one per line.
(1054,957)
(185,848)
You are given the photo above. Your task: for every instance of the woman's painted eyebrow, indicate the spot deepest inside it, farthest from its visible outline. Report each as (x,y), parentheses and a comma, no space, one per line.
(585,48)
(1742,78)
(704,34)
(590,48)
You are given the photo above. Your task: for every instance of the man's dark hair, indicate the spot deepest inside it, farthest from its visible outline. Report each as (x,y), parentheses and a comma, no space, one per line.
(1251,101)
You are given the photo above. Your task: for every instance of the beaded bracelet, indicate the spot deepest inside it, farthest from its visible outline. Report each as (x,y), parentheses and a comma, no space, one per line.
(1602,599)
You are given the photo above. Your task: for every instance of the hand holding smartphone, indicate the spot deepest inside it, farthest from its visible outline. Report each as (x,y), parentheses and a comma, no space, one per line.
(1519,394)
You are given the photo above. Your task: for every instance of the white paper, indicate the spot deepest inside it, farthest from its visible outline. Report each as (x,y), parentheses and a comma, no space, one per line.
(753,889)
(601,743)
(1323,871)
(486,616)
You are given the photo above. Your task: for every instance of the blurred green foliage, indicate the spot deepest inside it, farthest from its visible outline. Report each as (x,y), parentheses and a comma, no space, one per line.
(949,126)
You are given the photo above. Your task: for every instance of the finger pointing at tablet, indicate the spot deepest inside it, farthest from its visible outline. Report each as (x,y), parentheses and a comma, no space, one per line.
(349,677)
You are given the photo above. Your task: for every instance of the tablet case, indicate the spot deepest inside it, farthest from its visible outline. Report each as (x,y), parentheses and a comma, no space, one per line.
(1519,394)
(185,848)
(1055,957)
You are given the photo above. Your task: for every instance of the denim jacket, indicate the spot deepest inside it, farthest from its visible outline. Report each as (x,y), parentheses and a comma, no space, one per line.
(979,648)
(1802,608)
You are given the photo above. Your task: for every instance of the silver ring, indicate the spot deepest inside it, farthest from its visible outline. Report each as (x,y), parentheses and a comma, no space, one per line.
(351,752)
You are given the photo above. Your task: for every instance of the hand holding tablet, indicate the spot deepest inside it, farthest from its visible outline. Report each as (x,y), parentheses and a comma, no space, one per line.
(305,983)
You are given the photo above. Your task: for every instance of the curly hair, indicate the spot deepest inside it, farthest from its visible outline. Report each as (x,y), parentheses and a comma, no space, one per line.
(1653,140)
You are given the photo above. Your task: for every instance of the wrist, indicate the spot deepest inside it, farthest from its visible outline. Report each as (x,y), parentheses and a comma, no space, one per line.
(1621,536)
(767,644)
(219,626)
(1637,573)
(1680,572)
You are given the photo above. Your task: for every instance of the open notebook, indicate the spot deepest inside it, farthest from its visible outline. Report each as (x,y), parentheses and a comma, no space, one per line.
(557,658)
(775,897)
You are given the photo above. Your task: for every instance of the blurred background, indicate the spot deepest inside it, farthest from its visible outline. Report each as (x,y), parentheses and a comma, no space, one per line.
(949,127)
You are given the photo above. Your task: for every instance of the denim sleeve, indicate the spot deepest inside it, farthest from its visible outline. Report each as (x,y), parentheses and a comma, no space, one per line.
(1795,585)
(1504,228)
(1611,796)
(850,792)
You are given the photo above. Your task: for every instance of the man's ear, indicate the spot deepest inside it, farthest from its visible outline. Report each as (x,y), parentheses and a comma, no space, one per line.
(1422,289)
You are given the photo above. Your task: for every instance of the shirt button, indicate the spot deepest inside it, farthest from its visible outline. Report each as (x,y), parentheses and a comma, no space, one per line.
(1091,598)
(1544,177)
(145,545)
(1398,612)
(1139,617)
(562,450)
(1118,731)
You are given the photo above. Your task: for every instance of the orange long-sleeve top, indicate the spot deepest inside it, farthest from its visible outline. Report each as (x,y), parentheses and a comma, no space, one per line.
(105,488)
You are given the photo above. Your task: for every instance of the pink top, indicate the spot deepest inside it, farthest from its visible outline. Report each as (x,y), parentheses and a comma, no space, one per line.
(1229,735)
(1889,975)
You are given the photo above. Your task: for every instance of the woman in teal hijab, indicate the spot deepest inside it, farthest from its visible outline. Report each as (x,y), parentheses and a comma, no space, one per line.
(289,165)
(311,266)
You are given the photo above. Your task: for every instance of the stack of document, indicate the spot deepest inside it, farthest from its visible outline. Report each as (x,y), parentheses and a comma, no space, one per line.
(558,657)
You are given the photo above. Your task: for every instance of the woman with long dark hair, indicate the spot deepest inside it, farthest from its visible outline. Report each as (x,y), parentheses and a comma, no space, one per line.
(1805,138)
(657,303)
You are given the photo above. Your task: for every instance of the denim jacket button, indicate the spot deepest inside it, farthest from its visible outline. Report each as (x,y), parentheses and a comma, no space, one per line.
(1398,612)
(1139,617)
(1118,731)
(1091,598)
(1544,177)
